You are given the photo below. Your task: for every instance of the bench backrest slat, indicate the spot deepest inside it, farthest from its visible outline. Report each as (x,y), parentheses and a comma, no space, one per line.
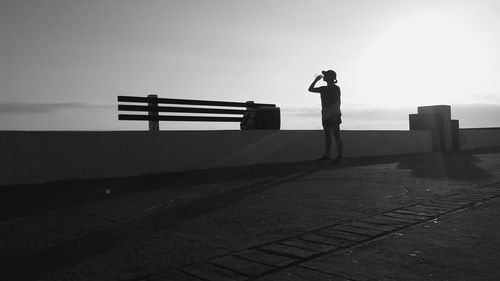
(178,118)
(191,102)
(145,108)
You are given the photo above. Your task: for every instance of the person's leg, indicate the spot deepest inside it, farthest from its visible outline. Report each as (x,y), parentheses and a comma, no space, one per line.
(338,140)
(327,130)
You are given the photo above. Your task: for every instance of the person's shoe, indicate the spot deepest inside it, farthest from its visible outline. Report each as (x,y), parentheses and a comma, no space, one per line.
(338,159)
(325,158)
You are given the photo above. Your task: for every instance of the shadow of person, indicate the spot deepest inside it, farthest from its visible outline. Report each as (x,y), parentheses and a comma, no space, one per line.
(456,165)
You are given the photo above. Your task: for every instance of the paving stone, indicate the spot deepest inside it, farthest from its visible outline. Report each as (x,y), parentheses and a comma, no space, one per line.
(245,267)
(456,205)
(491,193)
(300,274)
(416,213)
(351,266)
(478,195)
(289,250)
(406,221)
(338,266)
(385,222)
(262,257)
(445,203)
(371,232)
(309,245)
(427,209)
(467,200)
(442,210)
(485,197)
(334,232)
(436,209)
(406,216)
(471,196)
(173,276)
(206,271)
(318,238)
(456,201)
(444,206)
(369,225)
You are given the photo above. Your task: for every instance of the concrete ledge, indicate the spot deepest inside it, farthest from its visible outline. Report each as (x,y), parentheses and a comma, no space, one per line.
(37,157)
(479,138)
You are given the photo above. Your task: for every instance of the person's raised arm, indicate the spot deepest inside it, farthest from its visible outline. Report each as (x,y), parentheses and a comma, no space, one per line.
(311,87)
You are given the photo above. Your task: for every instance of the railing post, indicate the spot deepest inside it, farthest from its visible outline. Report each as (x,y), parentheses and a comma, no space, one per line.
(154,125)
(261,118)
(248,121)
(250,104)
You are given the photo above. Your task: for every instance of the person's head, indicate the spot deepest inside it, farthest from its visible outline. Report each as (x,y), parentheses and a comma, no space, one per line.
(329,76)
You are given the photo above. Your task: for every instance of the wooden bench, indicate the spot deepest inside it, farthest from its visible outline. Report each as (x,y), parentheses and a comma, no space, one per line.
(253,116)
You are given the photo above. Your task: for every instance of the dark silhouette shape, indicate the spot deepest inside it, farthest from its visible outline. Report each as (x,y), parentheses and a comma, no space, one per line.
(454,166)
(330,111)
(264,116)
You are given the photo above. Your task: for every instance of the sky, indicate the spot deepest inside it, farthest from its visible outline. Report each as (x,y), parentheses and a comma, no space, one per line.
(64,62)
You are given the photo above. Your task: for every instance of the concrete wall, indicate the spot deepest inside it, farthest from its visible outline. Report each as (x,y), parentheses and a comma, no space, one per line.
(35,157)
(478,138)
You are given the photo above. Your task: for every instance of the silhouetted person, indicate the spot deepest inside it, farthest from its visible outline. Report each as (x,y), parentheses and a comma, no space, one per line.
(330,111)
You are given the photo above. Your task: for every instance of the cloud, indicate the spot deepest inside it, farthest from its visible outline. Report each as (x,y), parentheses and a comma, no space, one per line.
(354,117)
(394,118)
(477,115)
(355,113)
(378,113)
(304,112)
(47,108)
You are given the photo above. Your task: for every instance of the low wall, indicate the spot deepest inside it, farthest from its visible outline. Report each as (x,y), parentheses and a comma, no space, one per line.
(36,157)
(479,138)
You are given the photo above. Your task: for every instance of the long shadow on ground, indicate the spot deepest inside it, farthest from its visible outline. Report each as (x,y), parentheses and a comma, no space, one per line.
(29,199)
(36,198)
(457,165)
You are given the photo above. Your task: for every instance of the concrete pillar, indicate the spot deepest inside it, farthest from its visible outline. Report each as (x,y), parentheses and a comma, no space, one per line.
(455,135)
(437,118)
(248,121)
(445,112)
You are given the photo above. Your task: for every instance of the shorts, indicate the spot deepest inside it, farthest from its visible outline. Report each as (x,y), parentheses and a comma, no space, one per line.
(333,121)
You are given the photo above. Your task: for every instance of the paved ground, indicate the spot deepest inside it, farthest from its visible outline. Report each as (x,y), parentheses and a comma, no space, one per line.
(412,217)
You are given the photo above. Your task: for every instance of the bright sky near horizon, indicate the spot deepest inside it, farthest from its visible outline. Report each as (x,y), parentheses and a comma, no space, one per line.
(63,62)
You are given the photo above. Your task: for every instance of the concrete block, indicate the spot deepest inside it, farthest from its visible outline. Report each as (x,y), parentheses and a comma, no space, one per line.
(289,250)
(245,267)
(320,247)
(318,238)
(337,233)
(262,257)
